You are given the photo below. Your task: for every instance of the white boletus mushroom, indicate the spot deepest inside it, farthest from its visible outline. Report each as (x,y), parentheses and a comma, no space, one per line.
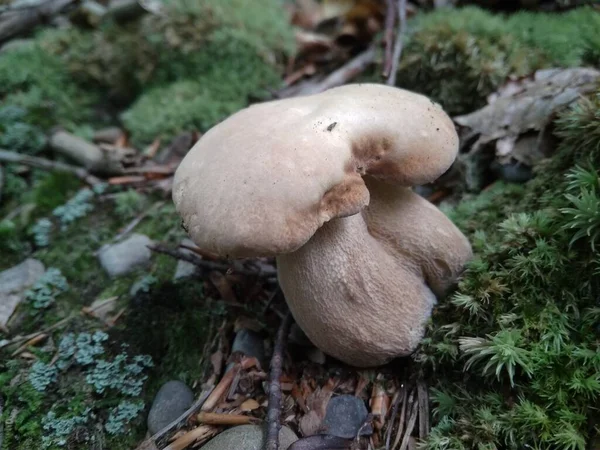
(323,182)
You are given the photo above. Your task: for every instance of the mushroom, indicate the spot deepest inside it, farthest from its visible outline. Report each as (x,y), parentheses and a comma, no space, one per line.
(323,183)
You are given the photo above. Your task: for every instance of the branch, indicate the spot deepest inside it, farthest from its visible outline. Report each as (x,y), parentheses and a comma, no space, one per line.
(348,71)
(399,42)
(46,164)
(211,265)
(274,408)
(389,36)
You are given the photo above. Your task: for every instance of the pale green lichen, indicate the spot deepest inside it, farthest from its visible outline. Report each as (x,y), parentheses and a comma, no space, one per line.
(42,375)
(44,292)
(122,415)
(58,429)
(77,207)
(41,232)
(118,374)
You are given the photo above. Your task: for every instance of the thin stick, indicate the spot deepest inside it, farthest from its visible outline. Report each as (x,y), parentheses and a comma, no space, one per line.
(225,383)
(209,265)
(274,408)
(412,420)
(390,19)
(201,432)
(18,340)
(225,419)
(402,418)
(46,164)
(396,403)
(399,42)
(348,71)
(423,397)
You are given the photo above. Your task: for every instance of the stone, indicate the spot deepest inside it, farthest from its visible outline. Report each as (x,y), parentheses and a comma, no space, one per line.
(185,269)
(250,344)
(345,416)
(315,355)
(14,282)
(248,437)
(125,256)
(171,400)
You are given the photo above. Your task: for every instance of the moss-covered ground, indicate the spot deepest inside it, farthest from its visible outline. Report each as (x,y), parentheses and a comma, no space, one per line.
(511,356)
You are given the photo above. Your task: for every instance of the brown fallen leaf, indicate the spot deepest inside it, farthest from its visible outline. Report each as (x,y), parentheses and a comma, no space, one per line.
(223,285)
(528,106)
(249,405)
(316,403)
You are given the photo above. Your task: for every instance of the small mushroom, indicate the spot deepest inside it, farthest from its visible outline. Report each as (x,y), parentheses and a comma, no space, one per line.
(322,182)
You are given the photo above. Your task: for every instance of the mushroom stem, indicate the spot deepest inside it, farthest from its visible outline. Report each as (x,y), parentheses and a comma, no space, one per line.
(371,280)
(343,283)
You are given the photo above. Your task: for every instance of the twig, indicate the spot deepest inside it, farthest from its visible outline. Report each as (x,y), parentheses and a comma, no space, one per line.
(201,432)
(402,417)
(274,408)
(396,403)
(399,42)
(210,265)
(19,339)
(348,71)
(34,340)
(225,419)
(412,420)
(390,19)
(46,164)
(423,397)
(134,223)
(226,381)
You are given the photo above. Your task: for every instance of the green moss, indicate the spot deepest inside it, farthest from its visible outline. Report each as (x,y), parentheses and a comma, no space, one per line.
(513,353)
(195,64)
(38,82)
(460,56)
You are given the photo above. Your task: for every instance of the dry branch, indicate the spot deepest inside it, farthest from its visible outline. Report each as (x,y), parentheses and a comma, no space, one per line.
(399,42)
(274,409)
(390,20)
(347,72)
(211,265)
(225,419)
(46,164)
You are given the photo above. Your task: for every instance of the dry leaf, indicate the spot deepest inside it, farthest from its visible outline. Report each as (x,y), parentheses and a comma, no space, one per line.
(222,284)
(249,405)
(527,105)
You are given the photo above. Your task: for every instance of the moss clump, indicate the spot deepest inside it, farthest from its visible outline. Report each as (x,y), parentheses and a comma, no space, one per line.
(37,81)
(514,351)
(194,64)
(460,56)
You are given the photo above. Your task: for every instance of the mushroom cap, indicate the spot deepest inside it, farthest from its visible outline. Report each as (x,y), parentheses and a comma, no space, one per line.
(263,181)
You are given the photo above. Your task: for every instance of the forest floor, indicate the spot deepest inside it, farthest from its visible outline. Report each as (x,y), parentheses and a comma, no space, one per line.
(103,299)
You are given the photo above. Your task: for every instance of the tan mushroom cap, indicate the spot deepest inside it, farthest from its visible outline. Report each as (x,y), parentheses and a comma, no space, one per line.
(263,181)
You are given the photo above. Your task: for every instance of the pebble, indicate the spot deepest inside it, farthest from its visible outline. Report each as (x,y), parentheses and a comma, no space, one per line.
(172,400)
(345,415)
(248,437)
(125,256)
(250,344)
(14,282)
